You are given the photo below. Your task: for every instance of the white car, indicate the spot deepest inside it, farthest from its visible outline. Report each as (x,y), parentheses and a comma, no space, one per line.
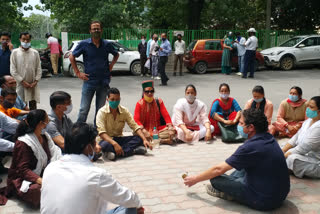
(128,60)
(299,50)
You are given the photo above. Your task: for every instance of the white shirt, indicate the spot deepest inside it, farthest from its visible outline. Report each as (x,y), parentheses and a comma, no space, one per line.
(252,43)
(153,46)
(241,46)
(74,185)
(179,47)
(9,125)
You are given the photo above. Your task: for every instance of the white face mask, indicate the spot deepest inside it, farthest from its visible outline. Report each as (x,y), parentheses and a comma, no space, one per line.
(92,155)
(224,96)
(25,45)
(69,109)
(191,98)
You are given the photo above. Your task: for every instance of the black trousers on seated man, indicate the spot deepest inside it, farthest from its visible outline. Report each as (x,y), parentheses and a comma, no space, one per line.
(128,144)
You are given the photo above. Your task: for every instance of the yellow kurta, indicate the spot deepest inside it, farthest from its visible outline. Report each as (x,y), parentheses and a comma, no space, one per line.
(25,65)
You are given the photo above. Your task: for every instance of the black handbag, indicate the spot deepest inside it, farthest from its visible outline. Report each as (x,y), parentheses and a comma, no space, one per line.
(162,121)
(230,134)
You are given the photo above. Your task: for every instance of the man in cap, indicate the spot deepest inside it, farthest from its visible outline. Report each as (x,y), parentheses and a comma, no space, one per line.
(250,55)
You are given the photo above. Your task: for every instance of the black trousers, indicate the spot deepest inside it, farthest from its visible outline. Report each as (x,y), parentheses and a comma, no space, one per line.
(128,144)
(143,60)
(162,69)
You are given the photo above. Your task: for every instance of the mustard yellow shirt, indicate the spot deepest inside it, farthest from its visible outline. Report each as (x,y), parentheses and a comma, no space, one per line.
(114,127)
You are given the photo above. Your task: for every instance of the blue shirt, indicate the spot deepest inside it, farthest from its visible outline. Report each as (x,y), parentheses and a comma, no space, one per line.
(165,45)
(96,62)
(216,109)
(148,47)
(4,61)
(267,178)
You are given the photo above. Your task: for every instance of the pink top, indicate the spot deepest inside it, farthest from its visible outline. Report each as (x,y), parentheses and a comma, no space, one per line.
(268,108)
(54,45)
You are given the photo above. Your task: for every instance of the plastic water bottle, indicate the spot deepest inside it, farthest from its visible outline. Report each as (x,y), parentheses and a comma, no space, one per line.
(155,138)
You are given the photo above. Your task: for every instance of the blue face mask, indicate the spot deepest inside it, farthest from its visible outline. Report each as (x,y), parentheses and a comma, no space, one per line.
(311,114)
(258,100)
(240,130)
(163,39)
(92,155)
(114,104)
(293,98)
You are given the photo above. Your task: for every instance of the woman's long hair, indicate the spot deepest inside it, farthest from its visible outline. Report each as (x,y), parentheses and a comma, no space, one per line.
(29,124)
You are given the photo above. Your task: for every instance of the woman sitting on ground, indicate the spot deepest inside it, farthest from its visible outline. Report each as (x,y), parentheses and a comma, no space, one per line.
(32,152)
(291,114)
(224,109)
(260,102)
(303,149)
(190,118)
(151,113)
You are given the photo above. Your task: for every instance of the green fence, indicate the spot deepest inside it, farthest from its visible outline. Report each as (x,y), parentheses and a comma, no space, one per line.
(131,37)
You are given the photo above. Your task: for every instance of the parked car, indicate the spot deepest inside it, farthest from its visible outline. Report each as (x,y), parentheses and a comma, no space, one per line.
(207,53)
(299,50)
(128,60)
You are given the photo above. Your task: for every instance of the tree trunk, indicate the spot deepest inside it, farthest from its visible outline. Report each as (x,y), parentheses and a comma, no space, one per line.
(195,8)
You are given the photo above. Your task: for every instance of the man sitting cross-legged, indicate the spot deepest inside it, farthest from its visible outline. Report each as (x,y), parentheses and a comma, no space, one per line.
(261,180)
(110,122)
(8,99)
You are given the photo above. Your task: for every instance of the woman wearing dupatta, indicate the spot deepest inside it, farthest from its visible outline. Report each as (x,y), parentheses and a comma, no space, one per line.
(33,151)
(151,112)
(260,102)
(190,118)
(303,149)
(226,55)
(224,109)
(291,114)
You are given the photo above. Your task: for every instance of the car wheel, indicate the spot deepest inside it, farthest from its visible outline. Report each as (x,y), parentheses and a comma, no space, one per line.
(135,68)
(287,63)
(201,67)
(80,67)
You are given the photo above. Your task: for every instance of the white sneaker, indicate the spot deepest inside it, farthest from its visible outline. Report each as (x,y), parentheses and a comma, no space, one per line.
(109,155)
(239,74)
(152,77)
(157,78)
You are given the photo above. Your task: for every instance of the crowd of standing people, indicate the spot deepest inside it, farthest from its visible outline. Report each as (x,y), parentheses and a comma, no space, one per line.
(50,152)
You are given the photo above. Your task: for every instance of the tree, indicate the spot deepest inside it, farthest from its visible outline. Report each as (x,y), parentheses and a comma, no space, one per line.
(39,25)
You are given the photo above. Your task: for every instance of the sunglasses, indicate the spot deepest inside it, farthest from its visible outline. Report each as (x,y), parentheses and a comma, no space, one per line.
(147,92)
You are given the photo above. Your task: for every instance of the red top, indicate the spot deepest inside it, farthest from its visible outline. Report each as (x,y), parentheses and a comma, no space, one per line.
(147,115)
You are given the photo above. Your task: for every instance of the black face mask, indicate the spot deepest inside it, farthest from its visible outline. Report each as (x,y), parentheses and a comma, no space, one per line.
(179,39)
(156,39)
(6,104)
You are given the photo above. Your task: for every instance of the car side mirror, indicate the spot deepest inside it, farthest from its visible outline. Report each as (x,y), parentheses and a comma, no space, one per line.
(301,46)
(121,50)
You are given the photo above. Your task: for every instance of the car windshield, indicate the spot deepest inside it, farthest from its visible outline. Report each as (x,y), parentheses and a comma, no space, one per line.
(71,46)
(118,45)
(292,42)
(191,45)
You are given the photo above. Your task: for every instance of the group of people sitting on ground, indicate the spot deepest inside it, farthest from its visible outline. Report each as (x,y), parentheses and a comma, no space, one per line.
(40,139)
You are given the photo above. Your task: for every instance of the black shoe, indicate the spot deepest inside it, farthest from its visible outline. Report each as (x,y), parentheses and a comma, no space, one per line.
(97,156)
(251,76)
(181,74)
(163,84)
(140,150)
(174,74)
(244,77)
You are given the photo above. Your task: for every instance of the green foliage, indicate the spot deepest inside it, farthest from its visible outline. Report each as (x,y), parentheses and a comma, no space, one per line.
(39,25)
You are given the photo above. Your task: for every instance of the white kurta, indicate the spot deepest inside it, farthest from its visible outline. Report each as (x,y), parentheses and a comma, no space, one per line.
(305,154)
(25,65)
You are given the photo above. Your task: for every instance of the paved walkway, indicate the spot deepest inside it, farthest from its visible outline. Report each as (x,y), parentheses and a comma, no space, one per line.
(157,180)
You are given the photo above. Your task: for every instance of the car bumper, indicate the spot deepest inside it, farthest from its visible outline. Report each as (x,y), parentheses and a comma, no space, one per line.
(271,60)
(189,63)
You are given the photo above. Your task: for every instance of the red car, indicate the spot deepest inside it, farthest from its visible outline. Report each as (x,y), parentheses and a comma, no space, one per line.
(207,53)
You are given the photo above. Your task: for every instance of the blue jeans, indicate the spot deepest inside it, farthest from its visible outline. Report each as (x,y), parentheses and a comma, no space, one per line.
(87,94)
(241,63)
(249,61)
(122,210)
(127,143)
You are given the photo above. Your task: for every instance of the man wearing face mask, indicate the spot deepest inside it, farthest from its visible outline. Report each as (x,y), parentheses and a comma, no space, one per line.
(164,52)
(5,53)
(110,123)
(142,48)
(87,188)
(8,99)
(96,78)
(8,81)
(25,68)
(179,47)
(59,122)
(261,179)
